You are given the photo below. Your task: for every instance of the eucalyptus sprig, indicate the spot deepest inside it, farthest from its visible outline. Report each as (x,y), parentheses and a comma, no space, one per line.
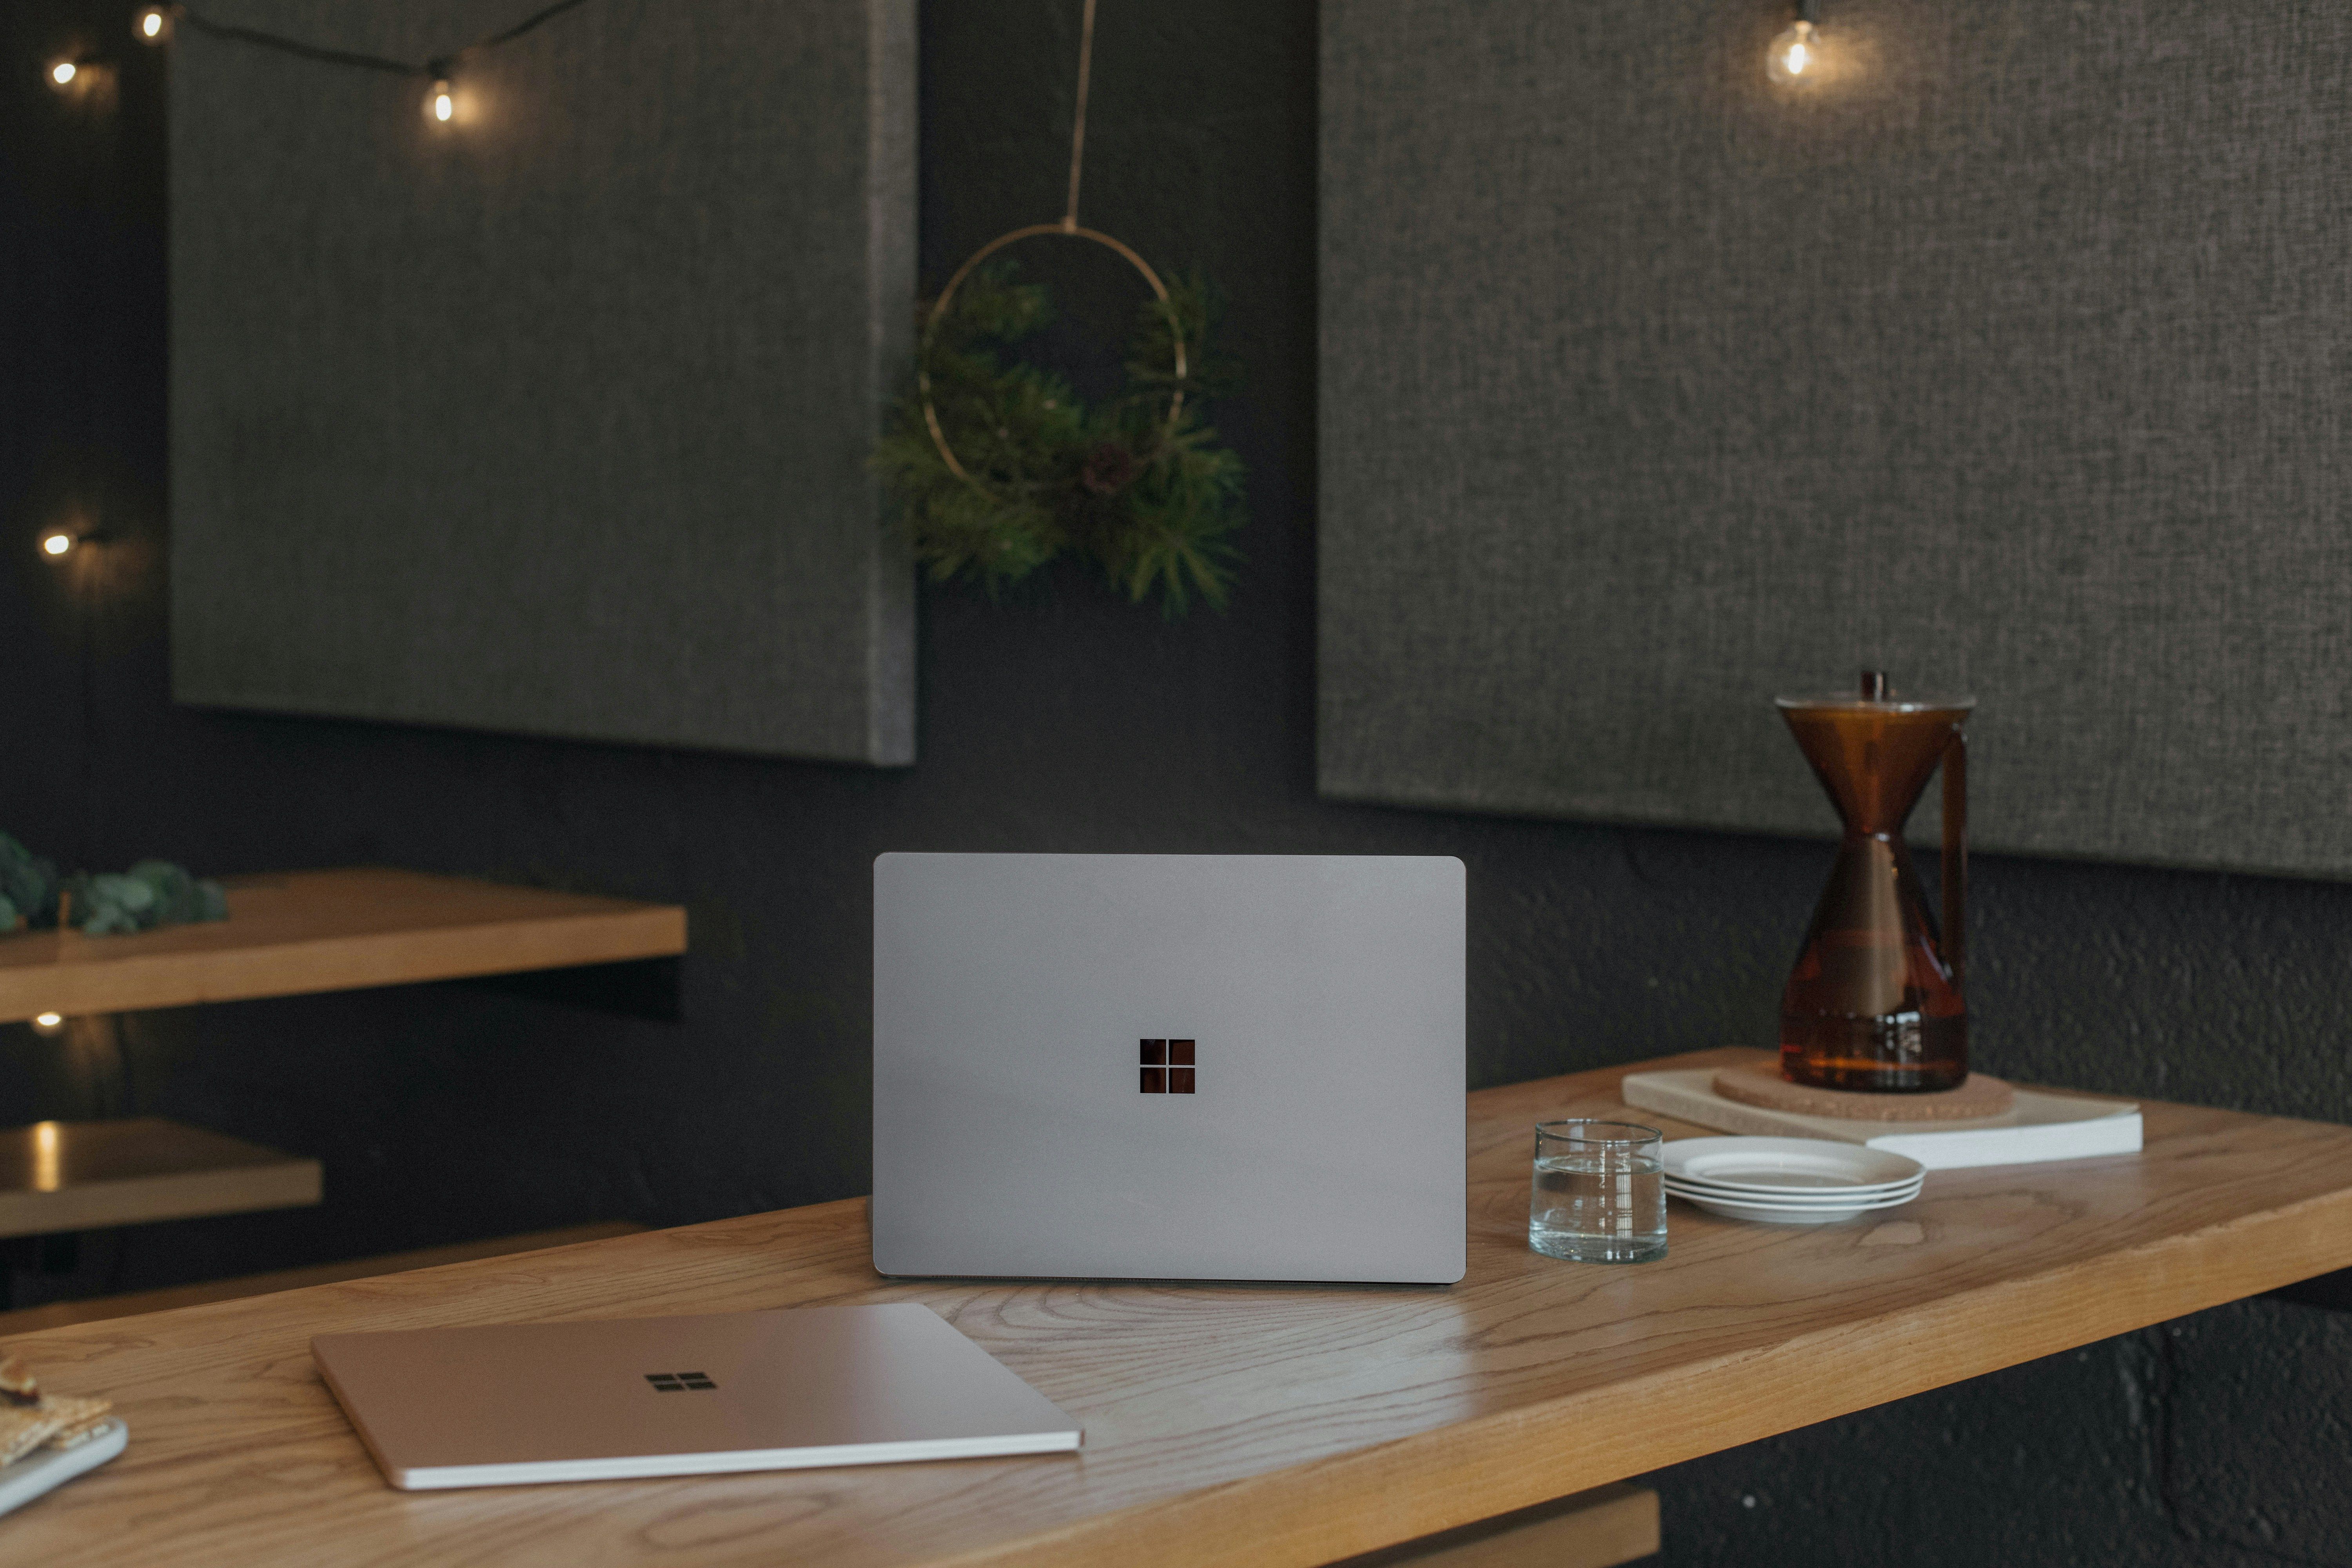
(1152,502)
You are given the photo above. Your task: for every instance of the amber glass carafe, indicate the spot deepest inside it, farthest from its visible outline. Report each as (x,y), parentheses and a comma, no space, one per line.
(1876,1001)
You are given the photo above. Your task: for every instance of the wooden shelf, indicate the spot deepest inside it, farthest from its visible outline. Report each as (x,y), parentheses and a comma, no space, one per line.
(81,1175)
(330,930)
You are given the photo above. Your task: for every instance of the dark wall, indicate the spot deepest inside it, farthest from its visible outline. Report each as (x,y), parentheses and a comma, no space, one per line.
(600,275)
(2001,355)
(1059,719)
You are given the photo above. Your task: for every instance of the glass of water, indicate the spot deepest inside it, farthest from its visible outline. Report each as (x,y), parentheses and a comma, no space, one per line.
(1600,1193)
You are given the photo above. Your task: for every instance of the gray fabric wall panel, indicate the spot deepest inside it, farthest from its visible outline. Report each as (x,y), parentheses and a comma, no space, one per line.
(2012,359)
(554,420)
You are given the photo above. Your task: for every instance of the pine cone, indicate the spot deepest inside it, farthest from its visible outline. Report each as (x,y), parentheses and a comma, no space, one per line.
(1109,469)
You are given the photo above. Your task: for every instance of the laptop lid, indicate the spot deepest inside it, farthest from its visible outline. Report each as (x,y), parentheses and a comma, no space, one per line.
(1176,1067)
(509,1402)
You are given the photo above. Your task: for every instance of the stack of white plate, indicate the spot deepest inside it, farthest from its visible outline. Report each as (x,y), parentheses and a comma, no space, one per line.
(1789,1181)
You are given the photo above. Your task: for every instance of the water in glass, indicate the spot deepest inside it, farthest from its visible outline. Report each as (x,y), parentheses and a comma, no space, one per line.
(1599,1193)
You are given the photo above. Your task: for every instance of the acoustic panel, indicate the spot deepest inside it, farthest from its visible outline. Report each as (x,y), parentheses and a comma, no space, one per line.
(2010,357)
(554,418)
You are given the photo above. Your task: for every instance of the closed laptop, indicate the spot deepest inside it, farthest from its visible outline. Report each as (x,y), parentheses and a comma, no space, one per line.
(503,1403)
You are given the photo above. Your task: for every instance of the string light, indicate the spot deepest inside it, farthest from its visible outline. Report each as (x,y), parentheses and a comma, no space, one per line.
(154,23)
(59,542)
(62,74)
(1795,56)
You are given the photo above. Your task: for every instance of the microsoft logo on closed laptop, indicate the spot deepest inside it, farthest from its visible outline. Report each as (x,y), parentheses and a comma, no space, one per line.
(1167,1067)
(678,1382)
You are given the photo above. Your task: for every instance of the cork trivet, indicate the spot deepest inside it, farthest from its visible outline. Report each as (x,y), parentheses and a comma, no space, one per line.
(1976,1096)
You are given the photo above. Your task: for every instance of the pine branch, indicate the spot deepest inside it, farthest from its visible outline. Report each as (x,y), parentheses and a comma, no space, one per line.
(1154,501)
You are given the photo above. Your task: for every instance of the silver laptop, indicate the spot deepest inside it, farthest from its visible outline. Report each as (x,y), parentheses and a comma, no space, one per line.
(509,1403)
(1168,1066)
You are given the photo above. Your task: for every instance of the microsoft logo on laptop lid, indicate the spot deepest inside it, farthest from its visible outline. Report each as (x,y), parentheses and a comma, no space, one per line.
(678,1382)
(1168,1067)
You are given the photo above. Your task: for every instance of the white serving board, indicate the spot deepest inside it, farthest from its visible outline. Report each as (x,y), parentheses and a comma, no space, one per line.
(2037,1127)
(49,1469)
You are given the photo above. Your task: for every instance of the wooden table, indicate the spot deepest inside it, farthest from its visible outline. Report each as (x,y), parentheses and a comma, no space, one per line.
(1245,1427)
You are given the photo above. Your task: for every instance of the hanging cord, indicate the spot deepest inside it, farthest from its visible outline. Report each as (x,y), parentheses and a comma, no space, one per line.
(1078,121)
(1069,225)
(439,66)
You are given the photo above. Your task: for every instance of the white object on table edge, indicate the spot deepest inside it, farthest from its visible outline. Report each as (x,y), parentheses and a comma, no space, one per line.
(46,1469)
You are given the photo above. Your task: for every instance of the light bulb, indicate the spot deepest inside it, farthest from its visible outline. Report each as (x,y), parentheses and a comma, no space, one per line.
(152,23)
(442,104)
(1796,54)
(49,1023)
(56,542)
(63,72)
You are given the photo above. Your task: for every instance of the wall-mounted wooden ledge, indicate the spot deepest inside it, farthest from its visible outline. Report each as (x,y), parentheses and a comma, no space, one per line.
(331,930)
(85,1175)
(1227,1427)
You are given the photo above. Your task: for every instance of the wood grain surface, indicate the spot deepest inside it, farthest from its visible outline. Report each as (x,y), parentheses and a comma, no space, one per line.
(330,930)
(85,1175)
(1228,1427)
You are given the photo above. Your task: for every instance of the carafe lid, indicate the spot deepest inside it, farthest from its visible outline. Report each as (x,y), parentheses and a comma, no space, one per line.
(1874,694)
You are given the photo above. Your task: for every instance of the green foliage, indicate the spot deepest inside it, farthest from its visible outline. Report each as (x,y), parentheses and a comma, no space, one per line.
(1153,502)
(152,893)
(29,886)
